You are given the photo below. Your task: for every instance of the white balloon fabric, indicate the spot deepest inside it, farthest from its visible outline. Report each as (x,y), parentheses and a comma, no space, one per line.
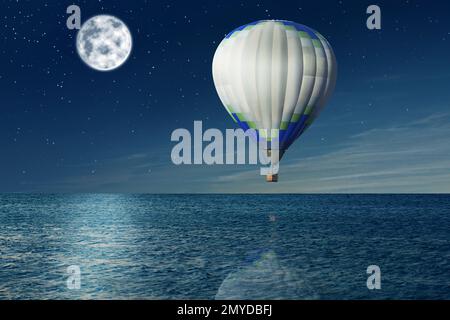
(274,74)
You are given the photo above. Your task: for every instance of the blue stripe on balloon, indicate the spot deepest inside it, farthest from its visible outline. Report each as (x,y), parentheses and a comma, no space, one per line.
(300,127)
(244,126)
(293,131)
(235,117)
(287,137)
(297,26)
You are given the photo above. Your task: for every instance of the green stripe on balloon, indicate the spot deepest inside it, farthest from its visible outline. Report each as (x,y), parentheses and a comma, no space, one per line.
(295,117)
(230,109)
(230,112)
(317,43)
(304,34)
(308,110)
(251,124)
(290,28)
(241,117)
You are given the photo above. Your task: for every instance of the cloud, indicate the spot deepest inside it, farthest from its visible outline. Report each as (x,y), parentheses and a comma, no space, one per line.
(413,157)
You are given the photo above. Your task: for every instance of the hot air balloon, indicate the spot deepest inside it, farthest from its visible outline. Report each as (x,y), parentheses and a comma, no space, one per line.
(274,74)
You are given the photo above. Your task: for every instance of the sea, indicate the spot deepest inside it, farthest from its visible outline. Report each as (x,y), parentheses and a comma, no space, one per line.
(222,246)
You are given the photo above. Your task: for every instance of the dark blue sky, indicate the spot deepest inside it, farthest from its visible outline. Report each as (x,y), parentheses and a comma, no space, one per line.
(67,128)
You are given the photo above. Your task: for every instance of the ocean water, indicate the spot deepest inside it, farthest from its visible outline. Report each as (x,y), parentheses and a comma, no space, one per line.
(224,246)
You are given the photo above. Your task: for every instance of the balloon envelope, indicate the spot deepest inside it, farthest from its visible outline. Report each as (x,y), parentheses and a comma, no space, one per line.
(274,74)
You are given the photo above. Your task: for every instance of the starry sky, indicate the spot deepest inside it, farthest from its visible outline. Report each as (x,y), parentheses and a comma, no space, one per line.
(67,128)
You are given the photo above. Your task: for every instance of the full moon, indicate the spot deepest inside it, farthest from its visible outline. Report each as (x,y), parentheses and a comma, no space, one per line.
(104,42)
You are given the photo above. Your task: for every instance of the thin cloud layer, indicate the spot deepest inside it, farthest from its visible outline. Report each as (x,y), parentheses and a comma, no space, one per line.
(414,157)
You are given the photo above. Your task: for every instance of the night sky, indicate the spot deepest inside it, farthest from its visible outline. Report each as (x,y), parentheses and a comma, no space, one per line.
(65,127)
